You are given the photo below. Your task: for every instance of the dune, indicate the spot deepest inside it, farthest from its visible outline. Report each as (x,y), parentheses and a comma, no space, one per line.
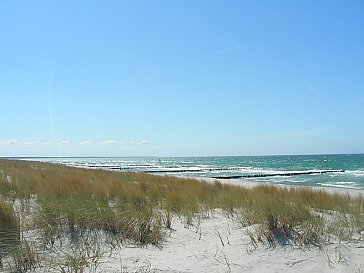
(63,226)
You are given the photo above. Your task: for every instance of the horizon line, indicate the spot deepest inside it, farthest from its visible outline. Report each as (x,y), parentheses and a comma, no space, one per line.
(156,156)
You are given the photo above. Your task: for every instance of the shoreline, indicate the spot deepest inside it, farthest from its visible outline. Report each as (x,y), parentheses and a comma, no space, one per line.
(243,182)
(251,184)
(279,168)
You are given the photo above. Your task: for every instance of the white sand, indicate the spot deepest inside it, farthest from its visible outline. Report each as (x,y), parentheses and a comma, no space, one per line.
(218,243)
(199,249)
(250,184)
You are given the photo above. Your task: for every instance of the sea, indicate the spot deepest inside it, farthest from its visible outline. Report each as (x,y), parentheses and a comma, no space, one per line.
(333,171)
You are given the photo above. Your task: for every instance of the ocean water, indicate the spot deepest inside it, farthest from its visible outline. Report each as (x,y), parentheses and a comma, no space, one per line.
(352,164)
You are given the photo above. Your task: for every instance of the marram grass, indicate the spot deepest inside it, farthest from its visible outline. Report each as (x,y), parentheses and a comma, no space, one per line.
(73,203)
(9,229)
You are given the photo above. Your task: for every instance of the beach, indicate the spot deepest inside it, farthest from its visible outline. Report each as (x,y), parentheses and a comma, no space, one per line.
(204,236)
(188,250)
(182,136)
(217,243)
(251,184)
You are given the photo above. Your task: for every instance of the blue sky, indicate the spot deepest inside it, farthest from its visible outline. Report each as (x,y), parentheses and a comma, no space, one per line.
(181,78)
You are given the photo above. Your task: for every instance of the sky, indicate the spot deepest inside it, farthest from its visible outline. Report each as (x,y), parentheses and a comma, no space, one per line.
(181,78)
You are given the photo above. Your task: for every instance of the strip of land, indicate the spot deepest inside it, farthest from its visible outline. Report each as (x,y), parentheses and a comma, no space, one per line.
(278,174)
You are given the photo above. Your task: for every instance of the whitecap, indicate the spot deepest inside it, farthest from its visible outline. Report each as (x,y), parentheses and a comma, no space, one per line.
(336,185)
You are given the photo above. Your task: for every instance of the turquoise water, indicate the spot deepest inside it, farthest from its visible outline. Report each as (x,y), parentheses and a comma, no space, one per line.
(353,164)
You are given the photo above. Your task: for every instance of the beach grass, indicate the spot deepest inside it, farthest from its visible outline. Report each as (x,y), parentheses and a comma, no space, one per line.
(65,203)
(9,229)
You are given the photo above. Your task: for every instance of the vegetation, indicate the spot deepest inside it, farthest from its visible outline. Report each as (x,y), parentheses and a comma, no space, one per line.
(63,203)
(9,228)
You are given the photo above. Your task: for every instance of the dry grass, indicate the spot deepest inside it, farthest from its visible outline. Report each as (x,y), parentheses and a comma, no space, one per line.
(135,207)
(9,229)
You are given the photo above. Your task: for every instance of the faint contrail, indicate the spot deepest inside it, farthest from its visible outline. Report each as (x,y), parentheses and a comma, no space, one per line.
(50,111)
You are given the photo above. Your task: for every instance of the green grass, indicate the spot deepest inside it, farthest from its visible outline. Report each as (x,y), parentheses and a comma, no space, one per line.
(64,203)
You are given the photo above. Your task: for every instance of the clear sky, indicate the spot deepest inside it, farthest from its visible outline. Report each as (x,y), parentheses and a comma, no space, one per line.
(181,78)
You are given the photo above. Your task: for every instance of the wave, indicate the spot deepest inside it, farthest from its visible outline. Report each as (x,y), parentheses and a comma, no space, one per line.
(345,185)
(357,173)
(246,168)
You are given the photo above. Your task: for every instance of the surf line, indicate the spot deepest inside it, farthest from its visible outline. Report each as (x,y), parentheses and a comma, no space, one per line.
(277,174)
(171,170)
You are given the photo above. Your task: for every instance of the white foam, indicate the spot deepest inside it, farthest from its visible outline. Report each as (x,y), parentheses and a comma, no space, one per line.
(356,173)
(345,183)
(337,185)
